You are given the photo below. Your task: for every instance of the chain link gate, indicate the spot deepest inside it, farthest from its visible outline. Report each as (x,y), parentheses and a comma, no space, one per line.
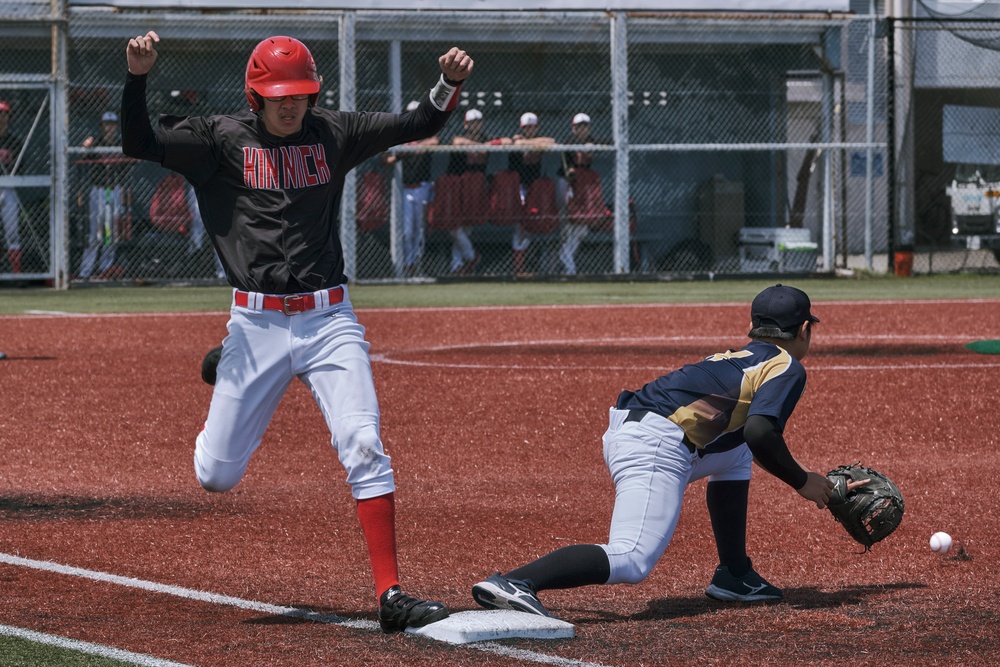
(31,106)
(950,129)
(722,145)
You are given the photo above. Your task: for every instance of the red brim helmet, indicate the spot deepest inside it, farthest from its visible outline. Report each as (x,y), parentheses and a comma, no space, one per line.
(280,66)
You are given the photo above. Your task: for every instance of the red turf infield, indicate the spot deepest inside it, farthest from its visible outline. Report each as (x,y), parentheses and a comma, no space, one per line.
(493,418)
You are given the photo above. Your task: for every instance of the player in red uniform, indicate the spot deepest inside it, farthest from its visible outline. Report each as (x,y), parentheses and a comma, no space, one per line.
(269,181)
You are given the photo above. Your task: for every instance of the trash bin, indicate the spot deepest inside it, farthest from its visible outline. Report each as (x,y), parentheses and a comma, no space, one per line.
(903,263)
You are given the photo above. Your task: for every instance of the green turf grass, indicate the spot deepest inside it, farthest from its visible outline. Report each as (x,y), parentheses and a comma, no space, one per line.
(16,652)
(186,299)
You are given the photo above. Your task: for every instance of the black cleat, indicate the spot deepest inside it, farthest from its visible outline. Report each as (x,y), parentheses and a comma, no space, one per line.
(397,611)
(751,587)
(209,364)
(499,592)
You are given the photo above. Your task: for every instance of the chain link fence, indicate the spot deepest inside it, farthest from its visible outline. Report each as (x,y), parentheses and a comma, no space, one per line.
(951,118)
(722,145)
(28,240)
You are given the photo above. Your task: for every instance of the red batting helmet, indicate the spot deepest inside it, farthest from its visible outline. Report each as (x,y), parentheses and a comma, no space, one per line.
(4,105)
(280,66)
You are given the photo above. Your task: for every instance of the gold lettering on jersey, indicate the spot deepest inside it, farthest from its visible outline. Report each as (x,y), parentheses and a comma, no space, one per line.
(286,167)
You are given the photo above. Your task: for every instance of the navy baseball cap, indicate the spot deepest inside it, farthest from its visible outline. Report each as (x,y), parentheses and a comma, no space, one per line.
(781,306)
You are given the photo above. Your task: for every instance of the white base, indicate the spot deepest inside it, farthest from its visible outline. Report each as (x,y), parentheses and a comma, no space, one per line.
(475,626)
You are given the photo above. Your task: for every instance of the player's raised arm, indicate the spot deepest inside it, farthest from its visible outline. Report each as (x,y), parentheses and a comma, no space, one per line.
(138,139)
(141,54)
(456,65)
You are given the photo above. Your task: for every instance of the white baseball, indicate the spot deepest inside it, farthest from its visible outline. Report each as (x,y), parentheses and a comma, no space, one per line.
(941,542)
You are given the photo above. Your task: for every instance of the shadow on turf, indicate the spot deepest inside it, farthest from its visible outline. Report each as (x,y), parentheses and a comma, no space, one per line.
(806,597)
(12,358)
(311,614)
(42,507)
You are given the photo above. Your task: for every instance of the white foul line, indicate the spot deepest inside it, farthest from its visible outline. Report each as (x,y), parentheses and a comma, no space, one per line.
(263,607)
(178,591)
(87,647)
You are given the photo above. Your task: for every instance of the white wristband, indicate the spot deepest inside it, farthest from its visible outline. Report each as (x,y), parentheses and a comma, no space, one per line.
(444,96)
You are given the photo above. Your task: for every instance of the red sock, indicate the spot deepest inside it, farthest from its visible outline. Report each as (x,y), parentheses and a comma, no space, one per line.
(378,521)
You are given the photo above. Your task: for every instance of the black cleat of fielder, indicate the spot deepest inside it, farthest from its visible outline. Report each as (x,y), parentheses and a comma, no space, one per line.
(209,364)
(398,611)
(751,587)
(499,592)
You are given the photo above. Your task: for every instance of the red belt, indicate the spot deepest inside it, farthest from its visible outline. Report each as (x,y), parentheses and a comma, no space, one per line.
(289,304)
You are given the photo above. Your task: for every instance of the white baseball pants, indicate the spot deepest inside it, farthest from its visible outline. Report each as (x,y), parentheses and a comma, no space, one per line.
(265,350)
(651,468)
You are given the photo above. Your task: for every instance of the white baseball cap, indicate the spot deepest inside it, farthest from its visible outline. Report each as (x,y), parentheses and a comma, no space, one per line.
(109,117)
(473,114)
(581,118)
(412,105)
(529,119)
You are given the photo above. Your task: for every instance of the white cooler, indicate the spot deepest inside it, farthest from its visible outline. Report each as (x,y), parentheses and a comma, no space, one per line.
(777,249)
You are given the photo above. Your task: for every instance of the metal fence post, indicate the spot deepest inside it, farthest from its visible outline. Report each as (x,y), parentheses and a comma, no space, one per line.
(826,136)
(619,125)
(396,250)
(59,127)
(870,137)
(348,100)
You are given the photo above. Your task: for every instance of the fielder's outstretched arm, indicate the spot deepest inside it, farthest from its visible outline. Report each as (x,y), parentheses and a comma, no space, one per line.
(768,447)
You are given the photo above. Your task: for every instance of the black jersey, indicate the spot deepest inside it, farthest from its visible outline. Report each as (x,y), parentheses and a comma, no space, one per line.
(416,168)
(528,165)
(460,162)
(578,159)
(271,204)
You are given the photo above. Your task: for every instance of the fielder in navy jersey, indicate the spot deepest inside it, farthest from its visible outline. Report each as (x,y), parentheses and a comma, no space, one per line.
(269,182)
(707,419)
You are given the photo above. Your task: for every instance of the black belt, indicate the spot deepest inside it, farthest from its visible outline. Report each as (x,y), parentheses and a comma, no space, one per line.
(637,416)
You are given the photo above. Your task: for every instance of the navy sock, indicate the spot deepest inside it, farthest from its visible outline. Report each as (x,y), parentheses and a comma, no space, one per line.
(727,507)
(569,567)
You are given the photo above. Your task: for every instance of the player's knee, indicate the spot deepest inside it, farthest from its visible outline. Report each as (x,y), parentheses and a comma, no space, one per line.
(216,484)
(364,438)
(216,476)
(215,481)
(363,458)
(361,448)
(630,567)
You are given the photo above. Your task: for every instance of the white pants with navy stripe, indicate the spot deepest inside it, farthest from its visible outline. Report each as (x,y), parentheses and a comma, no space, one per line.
(651,468)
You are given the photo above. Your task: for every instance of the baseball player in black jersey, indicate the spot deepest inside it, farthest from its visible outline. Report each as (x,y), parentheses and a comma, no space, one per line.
(706,419)
(269,182)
